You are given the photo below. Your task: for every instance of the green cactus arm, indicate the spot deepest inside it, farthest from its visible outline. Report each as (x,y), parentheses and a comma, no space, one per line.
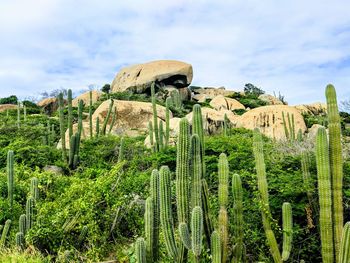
(72,150)
(149,227)
(196,186)
(215,247)
(223,228)
(97,127)
(237,193)
(161,135)
(208,226)
(62,126)
(10,176)
(114,118)
(285,126)
(287,230)
(197,230)
(271,239)
(150,133)
(344,251)
(5,232)
(140,249)
(198,128)
(104,126)
(167,121)
(223,171)
(34,190)
(336,164)
(185,237)
(293,128)
(22,224)
(155,116)
(90,114)
(325,196)
(29,212)
(19,240)
(121,150)
(166,216)
(70,114)
(290,126)
(154,193)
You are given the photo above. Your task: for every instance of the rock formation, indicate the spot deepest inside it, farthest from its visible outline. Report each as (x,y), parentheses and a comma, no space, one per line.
(85,97)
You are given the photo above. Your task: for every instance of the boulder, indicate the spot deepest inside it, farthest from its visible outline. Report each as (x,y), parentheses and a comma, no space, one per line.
(311,133)
(53,169)
(85,97)
(316,108)
(213,92)
(269,120)
(201,98)
(5,107)
(49,105)
(220,102)
(270,100)
(138,78)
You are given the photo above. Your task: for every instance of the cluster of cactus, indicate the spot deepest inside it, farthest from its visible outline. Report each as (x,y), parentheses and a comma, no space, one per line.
(289,128)
(159,139)
(106,120)
(74,141)
(175,99)
(50,135)
(265,206)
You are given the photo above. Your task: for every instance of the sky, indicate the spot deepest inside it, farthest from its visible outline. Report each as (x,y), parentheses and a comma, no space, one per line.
(292,47)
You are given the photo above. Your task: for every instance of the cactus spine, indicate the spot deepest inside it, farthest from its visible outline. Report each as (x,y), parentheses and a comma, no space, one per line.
(155,117)
(10,177)
(154,193)
(336,164)
(70,114)
(20,240)
(166,216)
(325,196)
(149,229)
(237,193)
(34,190)
(216,247)
(104,126)
(140,249)
(30,212)
(62,126)
(167,121)
(344,252)
(5,232)
(90,114)
(22,224)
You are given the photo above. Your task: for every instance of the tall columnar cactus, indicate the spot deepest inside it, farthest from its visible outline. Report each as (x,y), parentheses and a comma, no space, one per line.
(97,127)
(90,114)
(216,247)
(62,126)
(155,117)
(223,172)
(72,151)
(30,212)
(285,126)
(196,191)
(22,224)
(18,114)
(336,164)
(70,114)
(197,128)
(80,127)
(305,164)
(300,135)
(10,177)
(110,108)
(325,196)
(52,134)
(149,229)
(265,207)
(226,125)
(121,154)
(166,215)
(5,232)
(208,226)
(20,240)
(223,229)
(151,134)
(237,193)
(114,118)
(344,251)
(34,190)
(140,249)
(161,136)
(24,113)
(176,99)
(293,128)
(167,121)
(154,193)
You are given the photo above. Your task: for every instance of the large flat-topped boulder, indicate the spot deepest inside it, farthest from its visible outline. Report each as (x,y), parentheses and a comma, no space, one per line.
(211,93)
(138,78)
(269,120)
(312,108)
(85,97)
(220,102)
(49,105)
(5,107)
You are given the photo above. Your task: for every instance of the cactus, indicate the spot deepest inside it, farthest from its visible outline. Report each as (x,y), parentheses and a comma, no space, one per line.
(30,212)
(237,193)
(285,126)
(52,134)
(344,252)
(223,229)
(166,216)
(154,193)
(300,135)
(216,247)
(70,114)
(97,127)
(150,133)
(167,121)
(140,249)
(155,117)
(208,227)
(197,128)
(72,151)
(176,99)
(336,164)
(104,126)
(196,191)
(22,224)
(325,196)
(114,118)
(5,232)
(161,136)
(20,240)
(197,231)
(121,150)
(24,113)
(287,230)
(226,125)
(293,128)
(305,162)
(62,126)
(80,127)
(90,114)
(18,114)
(83,234)
(10,177)
(34,190)
(223,172)
(149,229)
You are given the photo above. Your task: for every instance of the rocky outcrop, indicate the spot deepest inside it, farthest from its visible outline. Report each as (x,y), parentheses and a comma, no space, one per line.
(311,133)
(5,107)
(221,103)
(167,73)
(269,120)
(313,108)
(211,93)
(85,97)
(270,100)
(49,105)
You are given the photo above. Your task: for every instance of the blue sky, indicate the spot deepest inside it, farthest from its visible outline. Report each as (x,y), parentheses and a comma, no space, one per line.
(292,47)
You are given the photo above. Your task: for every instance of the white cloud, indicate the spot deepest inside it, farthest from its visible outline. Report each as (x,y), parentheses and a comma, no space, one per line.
(295,47)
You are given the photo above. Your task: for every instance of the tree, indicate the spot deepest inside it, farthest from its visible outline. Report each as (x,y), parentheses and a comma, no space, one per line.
(345,105)
(106,88)
(9,100)
(250,89)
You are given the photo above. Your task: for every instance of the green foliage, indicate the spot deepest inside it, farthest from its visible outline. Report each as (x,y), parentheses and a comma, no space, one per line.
(250,89)
(9,100)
